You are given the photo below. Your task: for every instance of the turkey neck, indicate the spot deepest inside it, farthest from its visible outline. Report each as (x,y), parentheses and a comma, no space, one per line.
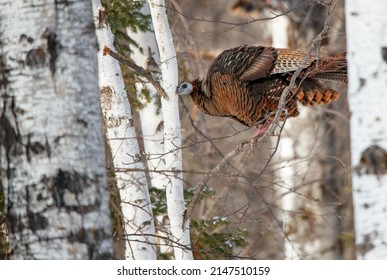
(203,99)
(199,96)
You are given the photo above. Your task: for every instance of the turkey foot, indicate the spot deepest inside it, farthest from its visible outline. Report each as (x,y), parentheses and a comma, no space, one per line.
(261,131)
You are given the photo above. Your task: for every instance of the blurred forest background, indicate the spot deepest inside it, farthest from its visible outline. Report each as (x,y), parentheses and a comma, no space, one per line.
(263,205)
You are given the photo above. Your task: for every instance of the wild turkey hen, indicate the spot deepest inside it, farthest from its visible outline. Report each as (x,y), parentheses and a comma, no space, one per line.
(246,82)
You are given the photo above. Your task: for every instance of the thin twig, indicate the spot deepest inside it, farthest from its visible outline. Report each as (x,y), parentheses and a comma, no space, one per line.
(201,185)
(146,74)
(246,22)
(221,165)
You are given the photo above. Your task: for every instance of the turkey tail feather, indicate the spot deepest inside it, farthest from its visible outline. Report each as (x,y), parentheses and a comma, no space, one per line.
(311,92)
(333,68)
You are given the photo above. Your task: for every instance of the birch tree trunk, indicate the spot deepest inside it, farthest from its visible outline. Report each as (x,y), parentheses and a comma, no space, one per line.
(121,135)
(172,132)
(367,62)
(51,149)
(151,120)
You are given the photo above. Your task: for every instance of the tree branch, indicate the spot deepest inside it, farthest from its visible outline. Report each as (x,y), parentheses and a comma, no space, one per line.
(137,68)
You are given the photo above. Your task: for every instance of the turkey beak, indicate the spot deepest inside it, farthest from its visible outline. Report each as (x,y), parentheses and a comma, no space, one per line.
(177,92)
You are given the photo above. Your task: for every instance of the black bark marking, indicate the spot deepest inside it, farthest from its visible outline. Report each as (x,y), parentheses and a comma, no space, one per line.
(36,221)
(73,182)
(4,74)
(9,135)
(44,55)
(53,46)
(24,38)
(37,58)
(102,18)
(65,181)
(362,83)
(367,244)
(57,139)
(160,127)
(384,54)
(47,148)
(35,147)
(373,160)
(82,122)
(92,238)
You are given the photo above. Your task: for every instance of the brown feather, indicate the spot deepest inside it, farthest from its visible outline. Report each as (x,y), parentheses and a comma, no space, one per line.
(245,83)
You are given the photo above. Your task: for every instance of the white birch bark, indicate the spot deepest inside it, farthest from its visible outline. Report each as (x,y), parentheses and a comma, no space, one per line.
(121,135)
(172,131)
(52,160)
(151,122)
(366,24)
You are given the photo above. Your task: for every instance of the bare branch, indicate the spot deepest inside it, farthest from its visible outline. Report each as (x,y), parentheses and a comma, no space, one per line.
(236,24)
(137,68)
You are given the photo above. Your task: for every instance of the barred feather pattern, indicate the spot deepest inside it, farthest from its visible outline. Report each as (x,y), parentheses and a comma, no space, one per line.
(245,83)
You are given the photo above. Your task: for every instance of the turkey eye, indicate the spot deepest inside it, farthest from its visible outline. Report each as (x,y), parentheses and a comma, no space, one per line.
(184,86)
